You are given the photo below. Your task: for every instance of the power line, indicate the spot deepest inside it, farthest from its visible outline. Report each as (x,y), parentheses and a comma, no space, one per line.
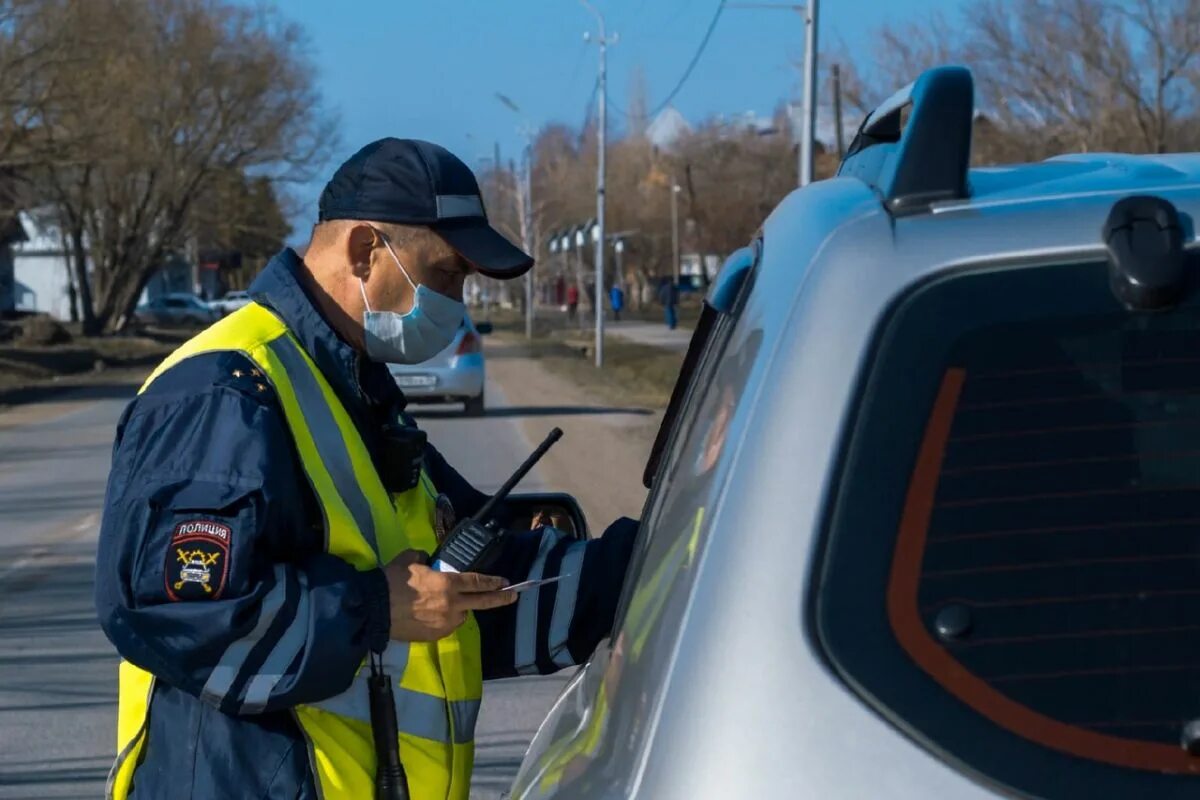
(591,105)
(614,107)
(575,69)
(687,73)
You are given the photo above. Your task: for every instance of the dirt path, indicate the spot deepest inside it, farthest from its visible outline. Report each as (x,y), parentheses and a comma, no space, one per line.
(605,445)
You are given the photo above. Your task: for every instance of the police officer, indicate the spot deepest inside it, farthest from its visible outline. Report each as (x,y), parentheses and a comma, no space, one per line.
(270,508)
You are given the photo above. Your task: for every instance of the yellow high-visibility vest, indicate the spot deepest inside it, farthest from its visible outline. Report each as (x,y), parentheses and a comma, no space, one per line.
(437,685)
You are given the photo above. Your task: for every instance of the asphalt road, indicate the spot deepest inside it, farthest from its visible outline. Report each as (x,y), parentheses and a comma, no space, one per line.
(57,670)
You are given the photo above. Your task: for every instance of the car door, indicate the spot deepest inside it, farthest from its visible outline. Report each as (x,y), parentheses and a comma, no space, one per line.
(620,687)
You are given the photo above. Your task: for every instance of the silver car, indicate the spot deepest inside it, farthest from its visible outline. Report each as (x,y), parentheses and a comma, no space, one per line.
(923,513)
(175,309)
(455,375)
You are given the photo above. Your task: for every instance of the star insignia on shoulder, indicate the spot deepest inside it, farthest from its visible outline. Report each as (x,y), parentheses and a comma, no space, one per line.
(237,373)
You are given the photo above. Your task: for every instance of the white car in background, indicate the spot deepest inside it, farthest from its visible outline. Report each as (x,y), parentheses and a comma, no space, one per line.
(455,375)
(231,302)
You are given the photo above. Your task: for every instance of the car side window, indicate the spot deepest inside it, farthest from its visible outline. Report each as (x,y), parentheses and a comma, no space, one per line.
(705,395)
(679,518)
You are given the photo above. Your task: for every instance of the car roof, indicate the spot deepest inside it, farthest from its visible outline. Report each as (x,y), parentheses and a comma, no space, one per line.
(910,161)
(1070,176)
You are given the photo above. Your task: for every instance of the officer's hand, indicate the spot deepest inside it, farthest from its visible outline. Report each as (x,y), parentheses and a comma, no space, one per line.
(428,605)
(552,518)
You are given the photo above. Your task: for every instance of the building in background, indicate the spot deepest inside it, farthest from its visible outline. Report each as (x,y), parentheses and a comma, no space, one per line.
(36,274)
(41,267)
(666,128)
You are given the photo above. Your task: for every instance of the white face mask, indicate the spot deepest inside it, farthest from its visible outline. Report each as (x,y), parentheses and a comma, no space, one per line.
(419,335)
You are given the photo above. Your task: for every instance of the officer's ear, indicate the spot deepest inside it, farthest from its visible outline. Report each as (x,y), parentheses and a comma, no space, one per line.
(360,243)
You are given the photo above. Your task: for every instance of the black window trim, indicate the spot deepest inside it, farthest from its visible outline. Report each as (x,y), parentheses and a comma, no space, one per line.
(689,389)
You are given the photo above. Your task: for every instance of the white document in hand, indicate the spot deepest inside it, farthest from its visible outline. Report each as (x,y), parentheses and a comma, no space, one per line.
(520,587)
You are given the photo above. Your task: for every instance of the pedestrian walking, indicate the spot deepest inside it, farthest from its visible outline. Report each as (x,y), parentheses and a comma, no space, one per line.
(668,295)
(616,297)
(572,302)
(263,560)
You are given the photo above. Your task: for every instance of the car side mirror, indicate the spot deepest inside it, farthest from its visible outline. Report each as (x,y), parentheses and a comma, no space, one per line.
(483,328)
(556,509)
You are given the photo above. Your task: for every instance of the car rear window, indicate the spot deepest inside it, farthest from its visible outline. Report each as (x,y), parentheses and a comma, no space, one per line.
(1012,567)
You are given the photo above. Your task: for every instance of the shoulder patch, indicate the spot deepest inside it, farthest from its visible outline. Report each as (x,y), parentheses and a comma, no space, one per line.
(197,560)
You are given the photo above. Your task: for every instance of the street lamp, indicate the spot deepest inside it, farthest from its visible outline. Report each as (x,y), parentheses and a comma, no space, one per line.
(808,122)
(525,206)
(603,40)
(619,249)
(675,190)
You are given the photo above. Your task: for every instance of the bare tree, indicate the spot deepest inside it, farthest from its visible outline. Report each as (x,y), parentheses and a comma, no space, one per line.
(1055,75)
(31,57)
(175,94)
(638,103)
(1092,74)
(732,179)
(243,220)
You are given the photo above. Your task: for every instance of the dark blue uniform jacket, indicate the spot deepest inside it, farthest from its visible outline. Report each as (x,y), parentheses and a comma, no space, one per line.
(211,572)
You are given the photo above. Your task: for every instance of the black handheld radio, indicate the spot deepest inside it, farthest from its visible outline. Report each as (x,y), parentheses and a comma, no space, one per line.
(472,545)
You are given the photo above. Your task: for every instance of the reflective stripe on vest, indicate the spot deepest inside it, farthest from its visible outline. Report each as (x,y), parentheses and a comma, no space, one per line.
(645,609)
(417,713)
(438,684)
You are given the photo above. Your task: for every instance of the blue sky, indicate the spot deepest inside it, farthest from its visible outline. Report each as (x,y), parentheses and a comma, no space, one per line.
(430,68)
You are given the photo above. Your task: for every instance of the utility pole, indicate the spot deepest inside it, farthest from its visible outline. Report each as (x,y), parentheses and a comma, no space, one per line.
(603,41)
(527,233)
(810,94)
(808,123)
(675,189)
(837,111)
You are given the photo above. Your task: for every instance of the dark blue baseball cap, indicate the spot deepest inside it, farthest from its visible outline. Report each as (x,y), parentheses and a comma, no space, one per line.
(410,182)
